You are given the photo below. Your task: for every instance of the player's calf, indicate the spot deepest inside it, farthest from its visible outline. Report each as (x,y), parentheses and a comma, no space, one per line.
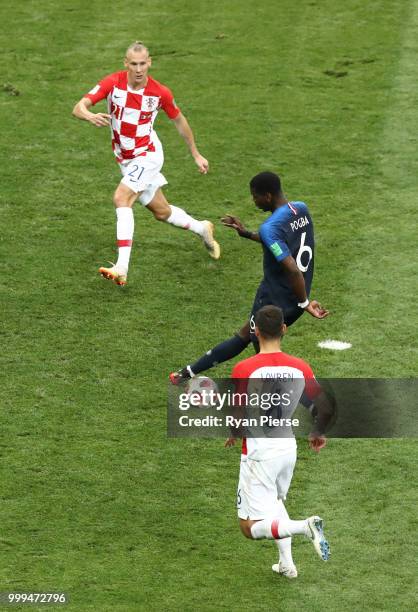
(245,526)
(220,353)
(275,529)
(174,215)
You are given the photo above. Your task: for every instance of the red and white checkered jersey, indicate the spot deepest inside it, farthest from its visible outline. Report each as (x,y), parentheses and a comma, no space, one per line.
(133,112)
(296,374)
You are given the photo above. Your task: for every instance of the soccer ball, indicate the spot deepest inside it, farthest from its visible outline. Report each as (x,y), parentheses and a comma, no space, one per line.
(199,389)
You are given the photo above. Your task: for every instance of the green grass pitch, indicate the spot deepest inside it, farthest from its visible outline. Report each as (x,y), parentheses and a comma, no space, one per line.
(95,500)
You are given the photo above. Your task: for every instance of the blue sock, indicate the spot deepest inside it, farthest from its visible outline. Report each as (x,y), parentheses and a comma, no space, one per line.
(222,352)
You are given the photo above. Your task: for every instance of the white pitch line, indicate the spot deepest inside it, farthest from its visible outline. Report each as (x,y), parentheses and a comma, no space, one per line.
(334,345)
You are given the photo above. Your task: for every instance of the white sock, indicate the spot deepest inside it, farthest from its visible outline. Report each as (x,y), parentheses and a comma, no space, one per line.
(285,551)
(124,235)
(285,544)
(278,528)
(180,218)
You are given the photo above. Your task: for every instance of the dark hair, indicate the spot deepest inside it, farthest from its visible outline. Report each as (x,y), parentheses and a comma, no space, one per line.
(266,182)
(269,321)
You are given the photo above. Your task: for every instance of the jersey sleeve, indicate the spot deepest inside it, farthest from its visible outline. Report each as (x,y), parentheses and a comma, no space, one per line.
(312,386)
(274,239)
(168,104)
(240,379)
(101,90)
(239,371)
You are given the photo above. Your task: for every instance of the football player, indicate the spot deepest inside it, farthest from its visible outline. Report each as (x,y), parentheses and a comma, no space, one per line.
(269,452)
(134,99)
(287,240)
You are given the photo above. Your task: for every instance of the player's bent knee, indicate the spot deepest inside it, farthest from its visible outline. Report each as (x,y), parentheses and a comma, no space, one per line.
(120,201)
(124,197)
(244,332)
(245,526)
(161,215)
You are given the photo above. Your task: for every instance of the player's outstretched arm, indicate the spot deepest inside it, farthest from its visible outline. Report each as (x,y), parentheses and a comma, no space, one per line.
(235,223)
(316,310)
(324,413)
(186,133)
(297,282)
(81,111)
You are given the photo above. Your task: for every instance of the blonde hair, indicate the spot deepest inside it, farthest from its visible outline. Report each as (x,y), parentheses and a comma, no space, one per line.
(137,46)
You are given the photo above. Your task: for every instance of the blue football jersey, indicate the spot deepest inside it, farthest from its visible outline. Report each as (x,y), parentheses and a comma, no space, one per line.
(288,231)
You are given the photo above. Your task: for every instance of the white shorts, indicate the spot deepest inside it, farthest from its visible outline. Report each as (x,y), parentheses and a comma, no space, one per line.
(262,483)
(142,174)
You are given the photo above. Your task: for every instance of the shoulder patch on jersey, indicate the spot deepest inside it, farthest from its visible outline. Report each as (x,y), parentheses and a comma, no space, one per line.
(94,90)
(276,249)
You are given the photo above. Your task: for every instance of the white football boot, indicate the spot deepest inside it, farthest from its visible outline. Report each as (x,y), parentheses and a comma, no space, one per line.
(209,241)
(289,571)
(116,274)
(316,535)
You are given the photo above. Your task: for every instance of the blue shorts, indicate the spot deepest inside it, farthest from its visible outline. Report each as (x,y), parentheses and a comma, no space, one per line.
(263,298)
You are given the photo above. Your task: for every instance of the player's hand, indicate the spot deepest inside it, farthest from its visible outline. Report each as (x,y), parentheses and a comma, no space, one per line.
(315,309)
(317,442)
(234,222)
(100,119)
(202,164)
(230,442)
